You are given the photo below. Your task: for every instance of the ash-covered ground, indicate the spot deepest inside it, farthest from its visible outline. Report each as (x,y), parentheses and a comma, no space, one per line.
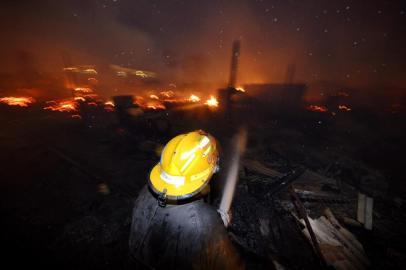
(68,184)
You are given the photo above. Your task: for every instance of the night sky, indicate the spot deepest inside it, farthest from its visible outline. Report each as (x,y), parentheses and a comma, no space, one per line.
(352,42)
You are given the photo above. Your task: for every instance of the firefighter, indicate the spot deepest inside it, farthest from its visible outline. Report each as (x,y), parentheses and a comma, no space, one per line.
(172,225)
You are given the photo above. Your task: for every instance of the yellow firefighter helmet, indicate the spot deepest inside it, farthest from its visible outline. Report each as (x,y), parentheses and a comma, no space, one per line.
(187,163)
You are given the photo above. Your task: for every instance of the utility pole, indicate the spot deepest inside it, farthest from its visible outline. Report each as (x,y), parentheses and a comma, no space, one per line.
(234,63)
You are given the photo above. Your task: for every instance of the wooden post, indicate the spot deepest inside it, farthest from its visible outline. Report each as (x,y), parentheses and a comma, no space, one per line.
(361,208)
(368,213)
(365,210)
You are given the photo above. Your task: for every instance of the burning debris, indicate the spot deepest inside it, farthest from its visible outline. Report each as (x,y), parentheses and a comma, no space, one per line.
(66,105)
(212,102)
(240,88)
(194,98)
(17,101)
(263,219)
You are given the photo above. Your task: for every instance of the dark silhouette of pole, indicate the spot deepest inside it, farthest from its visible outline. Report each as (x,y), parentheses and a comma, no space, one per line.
(234,63)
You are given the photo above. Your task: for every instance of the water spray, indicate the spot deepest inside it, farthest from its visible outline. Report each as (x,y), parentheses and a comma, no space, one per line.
(239,142)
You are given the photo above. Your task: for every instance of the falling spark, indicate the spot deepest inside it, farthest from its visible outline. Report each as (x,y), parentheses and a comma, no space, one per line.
(212,102)
(153,97)
(17,101)
(83,89)
(71,69)
(344,108)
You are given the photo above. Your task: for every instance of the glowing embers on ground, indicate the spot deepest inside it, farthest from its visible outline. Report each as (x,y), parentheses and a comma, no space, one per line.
(84,94)
(317,108)
(17,101)
(158,101)
(212,102)
(155,106)
(66,105)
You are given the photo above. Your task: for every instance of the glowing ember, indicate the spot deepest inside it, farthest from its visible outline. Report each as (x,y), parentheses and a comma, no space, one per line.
(71,69)
(17,101)
(240,89)
(344,108)
(153,97)
(62,106)
(212,102)
(194,98)
(155,106)
(317,108)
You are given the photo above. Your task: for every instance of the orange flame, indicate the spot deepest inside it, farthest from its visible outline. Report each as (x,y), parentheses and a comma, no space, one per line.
(212,102)
(17,101)
(155,106)
(80,99)
(109,106)
(240,88)
(62,106)
(194,98)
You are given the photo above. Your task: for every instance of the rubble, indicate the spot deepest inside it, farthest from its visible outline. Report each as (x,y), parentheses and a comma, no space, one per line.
(81,176)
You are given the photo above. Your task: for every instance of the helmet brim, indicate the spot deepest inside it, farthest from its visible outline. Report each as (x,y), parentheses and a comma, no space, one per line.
(185,191)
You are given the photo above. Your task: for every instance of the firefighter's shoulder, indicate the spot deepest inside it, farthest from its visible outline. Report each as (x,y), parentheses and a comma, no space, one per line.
(193,232)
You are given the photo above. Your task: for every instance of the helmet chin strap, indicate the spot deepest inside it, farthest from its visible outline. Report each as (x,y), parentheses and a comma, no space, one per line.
(162,199)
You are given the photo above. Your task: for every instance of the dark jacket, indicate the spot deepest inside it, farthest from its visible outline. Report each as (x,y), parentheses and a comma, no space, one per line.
(187,236)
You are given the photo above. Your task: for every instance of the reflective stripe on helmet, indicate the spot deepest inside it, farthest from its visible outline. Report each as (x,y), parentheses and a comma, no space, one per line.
(204,142)
(172,179)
